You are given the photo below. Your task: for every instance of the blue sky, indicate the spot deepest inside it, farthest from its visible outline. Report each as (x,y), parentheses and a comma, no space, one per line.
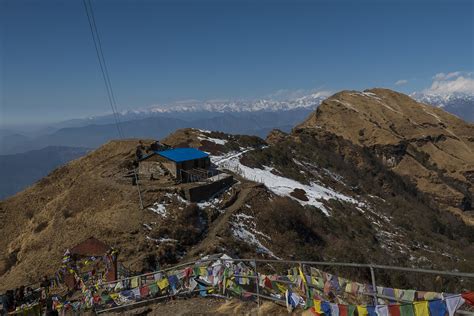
(164,51)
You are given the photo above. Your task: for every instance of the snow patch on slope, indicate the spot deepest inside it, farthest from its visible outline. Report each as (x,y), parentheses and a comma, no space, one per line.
(213,140)
(159,208)
(244,229)
(282,186)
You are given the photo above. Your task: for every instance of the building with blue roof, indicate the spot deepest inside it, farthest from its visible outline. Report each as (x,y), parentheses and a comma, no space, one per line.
(178,161)
(189,166)
(182,154)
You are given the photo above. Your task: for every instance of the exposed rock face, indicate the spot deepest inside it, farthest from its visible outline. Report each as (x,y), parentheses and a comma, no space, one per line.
(433,148)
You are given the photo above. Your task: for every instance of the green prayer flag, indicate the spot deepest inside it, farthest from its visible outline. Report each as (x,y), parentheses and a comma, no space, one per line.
(350,310)
(237,289)
(406,310)
(309,300)
(153,288)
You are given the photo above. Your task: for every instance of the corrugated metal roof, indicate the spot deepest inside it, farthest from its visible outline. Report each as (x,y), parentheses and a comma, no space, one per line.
(182,154)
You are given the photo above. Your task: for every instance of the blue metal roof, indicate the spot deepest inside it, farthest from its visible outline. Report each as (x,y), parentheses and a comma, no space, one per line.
(182,154)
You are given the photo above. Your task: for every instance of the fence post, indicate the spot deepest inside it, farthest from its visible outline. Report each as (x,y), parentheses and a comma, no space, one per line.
(138,187)
(257,281)
(374,286)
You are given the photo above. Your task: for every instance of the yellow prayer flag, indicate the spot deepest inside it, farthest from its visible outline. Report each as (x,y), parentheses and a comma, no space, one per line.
(317,306)
(281,288)
(421,308)
(302,276)
(396,294)
(362,310)
(202,271)
(134,282)
(163,283)
(348,288)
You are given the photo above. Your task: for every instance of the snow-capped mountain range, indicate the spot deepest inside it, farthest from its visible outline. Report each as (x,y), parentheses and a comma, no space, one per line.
(460,104)
(442,100)
(269,105)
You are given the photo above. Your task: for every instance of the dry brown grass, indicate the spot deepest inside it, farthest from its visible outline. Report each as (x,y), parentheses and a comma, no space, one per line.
(439,150)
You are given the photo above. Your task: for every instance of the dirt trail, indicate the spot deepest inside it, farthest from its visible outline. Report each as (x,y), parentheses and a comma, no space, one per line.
(217,228)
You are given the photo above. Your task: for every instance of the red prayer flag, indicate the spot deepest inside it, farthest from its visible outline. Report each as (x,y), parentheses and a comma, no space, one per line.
(469,297)
(268,283)
(144,291)
(342,310)
(394,310)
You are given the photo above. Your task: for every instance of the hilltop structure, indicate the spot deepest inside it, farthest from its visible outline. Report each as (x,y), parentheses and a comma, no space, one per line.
(185,164)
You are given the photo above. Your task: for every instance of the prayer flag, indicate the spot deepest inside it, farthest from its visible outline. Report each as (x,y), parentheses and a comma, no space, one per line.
(406,310)
(453,303)
(421,308)
(317,306)
(371,310)
(292,300)
(144,291)
(437,308)
(381,310)
(390,293)
(136,292)
(134,282)
(468,297)
(394,310)
(334,309)
(343,310)
(408,295)
(351,310)
(362,310)
(326,308)
(162,284)
(153,288)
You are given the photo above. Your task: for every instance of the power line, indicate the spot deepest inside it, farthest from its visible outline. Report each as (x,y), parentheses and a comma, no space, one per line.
(105,74)
(114,102)
(103,66)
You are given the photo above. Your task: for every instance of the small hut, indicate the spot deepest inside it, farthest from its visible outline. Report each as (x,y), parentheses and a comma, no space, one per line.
(92,258)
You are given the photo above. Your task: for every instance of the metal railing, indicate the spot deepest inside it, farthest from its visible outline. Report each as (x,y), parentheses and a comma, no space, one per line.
(254,263)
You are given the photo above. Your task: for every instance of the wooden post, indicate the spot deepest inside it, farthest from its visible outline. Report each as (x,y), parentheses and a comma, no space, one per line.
(138,187)
(374,286)
(257,281)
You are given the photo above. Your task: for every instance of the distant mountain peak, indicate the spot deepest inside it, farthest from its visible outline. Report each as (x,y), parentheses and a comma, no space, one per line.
(442,99)
(460,104)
